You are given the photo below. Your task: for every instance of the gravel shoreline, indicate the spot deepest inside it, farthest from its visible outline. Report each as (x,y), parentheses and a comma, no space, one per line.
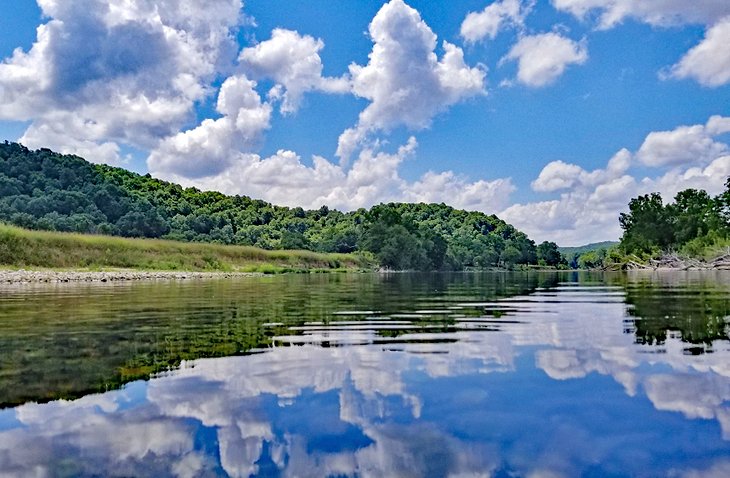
(34,277)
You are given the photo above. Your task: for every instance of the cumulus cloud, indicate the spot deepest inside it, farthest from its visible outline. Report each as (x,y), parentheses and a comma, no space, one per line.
(709,62)
(120,71)
(373,178)
(495,16)
(407,84)
(213,146)
(710,178)
(458,191)
(293,62)
(685,144)
(557,175)
(404,79)
(542,58)
(577,217)
(589,202)
(61,134)
(653,12)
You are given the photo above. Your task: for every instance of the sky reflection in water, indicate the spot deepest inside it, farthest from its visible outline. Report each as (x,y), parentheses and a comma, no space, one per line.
(557,382)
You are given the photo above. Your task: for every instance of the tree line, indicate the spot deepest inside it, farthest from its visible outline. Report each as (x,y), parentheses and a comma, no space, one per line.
(694,221)
(46,190)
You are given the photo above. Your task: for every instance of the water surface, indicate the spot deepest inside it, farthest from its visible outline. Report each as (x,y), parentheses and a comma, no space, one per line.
(369,375)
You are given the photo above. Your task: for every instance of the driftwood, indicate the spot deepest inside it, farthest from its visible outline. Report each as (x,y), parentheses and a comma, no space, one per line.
(671,260)
(674,261)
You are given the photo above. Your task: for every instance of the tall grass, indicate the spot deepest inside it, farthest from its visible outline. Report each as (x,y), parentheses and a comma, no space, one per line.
(21,248)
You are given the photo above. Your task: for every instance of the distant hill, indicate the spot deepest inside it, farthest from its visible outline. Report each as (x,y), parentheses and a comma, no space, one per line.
(569,251)
(49,191)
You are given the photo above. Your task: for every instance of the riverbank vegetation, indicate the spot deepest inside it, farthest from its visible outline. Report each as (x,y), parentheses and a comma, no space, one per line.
(22,248)
(695,224)
(43,190)
(691,232)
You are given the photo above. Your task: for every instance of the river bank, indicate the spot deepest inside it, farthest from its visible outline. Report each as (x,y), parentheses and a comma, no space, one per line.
(23,276)
(675,262)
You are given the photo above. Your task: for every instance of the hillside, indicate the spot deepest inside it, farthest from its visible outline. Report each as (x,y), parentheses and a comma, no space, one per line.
(569,251)
(43,190)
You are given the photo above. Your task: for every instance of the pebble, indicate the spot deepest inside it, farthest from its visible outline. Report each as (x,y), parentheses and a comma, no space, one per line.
(23,276)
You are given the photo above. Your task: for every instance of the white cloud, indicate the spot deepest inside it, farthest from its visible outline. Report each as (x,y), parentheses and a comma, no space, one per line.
(119,71)
(709,62)
(710,178)
(213,146)
(56,136)
(404,79)
(589,203)
(557,175)
(718,469)
(541,59)
(460,192)
(293,62)
(718,125)
(684,145)
(653,12)
(487,23)
(407,84)
(578,217)
(373,178)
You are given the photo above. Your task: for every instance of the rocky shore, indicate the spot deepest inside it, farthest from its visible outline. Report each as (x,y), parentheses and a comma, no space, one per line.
(33,277)
(675,262)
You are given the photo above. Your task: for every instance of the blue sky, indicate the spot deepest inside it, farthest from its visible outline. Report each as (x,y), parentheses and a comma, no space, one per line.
(551,114)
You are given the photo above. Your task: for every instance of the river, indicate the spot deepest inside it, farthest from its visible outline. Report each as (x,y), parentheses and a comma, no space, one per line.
(500,374)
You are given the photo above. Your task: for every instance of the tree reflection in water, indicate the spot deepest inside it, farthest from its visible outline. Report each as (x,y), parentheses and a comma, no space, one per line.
(543,382)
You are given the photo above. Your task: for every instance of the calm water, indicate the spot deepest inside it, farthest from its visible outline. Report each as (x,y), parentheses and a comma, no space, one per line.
(540,375)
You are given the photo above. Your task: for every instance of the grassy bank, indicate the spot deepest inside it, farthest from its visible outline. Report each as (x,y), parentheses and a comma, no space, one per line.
(21,248)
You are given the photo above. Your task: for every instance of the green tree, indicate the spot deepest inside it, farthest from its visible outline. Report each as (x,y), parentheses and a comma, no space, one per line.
(694,214)
(592,259)
(510,256)
(647,225)
(548,253)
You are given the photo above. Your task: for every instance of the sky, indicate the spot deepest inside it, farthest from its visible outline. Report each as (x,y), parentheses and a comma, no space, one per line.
(551,114)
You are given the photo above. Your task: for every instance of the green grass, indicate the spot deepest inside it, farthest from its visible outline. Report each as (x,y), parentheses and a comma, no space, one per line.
(22,248)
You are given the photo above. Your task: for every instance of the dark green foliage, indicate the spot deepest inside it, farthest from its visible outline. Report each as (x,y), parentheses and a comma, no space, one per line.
(723,204)
(549,255)
(648,224)
(44,190)
(693,214)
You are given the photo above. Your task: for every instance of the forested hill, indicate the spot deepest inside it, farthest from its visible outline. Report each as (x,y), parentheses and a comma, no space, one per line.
(45,190)
(569,251)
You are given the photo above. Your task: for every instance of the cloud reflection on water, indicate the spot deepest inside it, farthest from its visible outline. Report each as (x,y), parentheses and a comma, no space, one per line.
(528,397)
